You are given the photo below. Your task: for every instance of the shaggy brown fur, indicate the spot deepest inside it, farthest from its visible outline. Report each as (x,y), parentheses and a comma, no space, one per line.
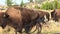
(31,17)
(14,18)
(19,18)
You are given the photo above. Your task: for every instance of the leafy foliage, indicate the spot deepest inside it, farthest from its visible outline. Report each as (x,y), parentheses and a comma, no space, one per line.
(39,1)
(47,6)
(55,4)
(31,0)
(9,2)
(37,7)
(51,5)
(22,4)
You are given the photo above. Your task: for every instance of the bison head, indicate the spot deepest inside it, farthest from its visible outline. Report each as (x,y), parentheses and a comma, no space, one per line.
(2,20)
(54,15)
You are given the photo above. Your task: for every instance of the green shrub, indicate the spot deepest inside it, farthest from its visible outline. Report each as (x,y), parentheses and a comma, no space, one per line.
(9,2)
(47,6)
(58,7)
(37,7)
(22,4)
(51,5)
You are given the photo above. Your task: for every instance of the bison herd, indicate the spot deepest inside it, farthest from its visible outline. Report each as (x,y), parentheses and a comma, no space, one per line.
(19,18)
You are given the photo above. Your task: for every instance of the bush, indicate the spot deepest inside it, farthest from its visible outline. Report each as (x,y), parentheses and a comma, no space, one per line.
(58,7)
(55,4)
(47,6)
(37,7)
(22,4)
(50,5)
(9,2)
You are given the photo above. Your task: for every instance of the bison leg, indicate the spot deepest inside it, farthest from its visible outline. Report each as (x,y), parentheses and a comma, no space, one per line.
(27,29)
(42,20)
(3,26)
(47,16)
(39,28)
(55,18)
(19,29)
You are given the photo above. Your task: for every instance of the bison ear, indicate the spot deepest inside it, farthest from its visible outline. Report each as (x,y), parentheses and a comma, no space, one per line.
(5,16)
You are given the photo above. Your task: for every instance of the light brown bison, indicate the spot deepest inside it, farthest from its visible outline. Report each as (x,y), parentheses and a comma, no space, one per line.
(20,18)
(55,14)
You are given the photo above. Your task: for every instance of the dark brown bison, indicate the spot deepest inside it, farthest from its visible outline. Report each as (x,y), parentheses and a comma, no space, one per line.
(20,18)
(32,17)
(41,13)
(55,14)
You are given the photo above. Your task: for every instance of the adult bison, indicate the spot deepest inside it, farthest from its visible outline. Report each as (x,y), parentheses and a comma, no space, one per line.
(20,18)
(32,17)
(55,14)
(14,18)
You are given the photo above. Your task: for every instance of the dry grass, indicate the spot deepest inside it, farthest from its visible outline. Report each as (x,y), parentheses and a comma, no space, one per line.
(50,28)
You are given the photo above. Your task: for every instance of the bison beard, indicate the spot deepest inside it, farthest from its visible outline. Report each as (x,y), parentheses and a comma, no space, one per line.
(20,18)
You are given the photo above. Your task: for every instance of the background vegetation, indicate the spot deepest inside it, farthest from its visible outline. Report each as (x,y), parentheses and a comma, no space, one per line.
(48,5)
(51,5)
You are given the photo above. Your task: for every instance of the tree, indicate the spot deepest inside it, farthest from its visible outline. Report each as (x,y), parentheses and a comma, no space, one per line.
(47,5)
(55,4)
(39,1)
(22,4)
(31,0)
(9,2)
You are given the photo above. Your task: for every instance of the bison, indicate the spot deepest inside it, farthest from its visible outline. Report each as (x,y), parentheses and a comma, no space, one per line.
(35,16)
(55,14)
(20,18)
(14,18)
